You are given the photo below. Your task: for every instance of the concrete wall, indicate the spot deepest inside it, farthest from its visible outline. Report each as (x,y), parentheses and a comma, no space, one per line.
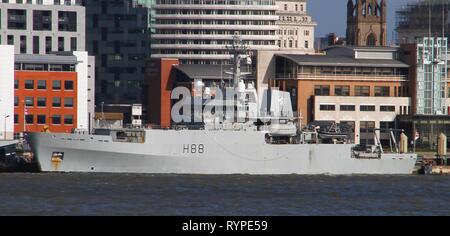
(6,92)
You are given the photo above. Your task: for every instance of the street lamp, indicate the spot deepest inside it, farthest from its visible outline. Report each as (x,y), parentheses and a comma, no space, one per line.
(4,135)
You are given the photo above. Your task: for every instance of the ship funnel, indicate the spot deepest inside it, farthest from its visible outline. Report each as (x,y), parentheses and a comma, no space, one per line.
(442,145)
(403,143)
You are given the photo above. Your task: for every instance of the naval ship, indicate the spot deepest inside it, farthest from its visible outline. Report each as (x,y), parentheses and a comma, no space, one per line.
(266,140)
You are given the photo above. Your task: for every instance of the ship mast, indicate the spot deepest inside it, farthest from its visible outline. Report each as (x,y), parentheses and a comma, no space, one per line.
(238,51)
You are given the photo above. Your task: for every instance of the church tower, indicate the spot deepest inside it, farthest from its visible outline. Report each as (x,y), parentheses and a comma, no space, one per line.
(366,22)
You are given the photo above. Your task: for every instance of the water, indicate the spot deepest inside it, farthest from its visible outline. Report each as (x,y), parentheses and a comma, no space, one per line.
(131,194)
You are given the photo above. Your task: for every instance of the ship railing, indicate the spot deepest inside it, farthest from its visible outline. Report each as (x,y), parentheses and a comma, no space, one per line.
(173,127)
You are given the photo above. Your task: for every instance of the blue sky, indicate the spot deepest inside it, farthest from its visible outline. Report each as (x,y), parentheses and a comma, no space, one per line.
(330,15)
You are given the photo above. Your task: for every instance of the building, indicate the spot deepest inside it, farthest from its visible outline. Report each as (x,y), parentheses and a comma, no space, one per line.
(330,39)
(6,92)
(429,70)
(198,31)
(421,19)
(51,91)
(296,30)
(366,23)
(364,87)
(117,35)
(42,27)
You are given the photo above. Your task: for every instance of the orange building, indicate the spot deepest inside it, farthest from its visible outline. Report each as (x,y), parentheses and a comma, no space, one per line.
(160,78)
(45,95)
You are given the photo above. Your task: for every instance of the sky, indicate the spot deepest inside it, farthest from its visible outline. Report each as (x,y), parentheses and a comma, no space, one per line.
(331,15)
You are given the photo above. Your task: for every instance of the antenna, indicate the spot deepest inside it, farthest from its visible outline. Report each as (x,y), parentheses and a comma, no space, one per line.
(443,18)
(429,19)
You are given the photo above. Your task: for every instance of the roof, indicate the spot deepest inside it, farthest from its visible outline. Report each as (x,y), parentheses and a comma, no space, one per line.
(342,59)
(197,71)
(45,59)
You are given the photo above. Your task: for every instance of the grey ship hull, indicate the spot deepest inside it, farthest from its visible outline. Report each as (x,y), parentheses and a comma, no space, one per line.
(206,152)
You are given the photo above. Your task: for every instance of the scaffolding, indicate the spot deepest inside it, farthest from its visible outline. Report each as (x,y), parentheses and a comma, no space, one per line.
(424,18)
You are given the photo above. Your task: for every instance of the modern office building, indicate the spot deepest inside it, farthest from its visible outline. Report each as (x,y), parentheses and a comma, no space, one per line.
(42,27)
(364,87)
(430,94)
(117,35)
(198,31)
(296,30)
(40,91)
(6,92)
(51,91)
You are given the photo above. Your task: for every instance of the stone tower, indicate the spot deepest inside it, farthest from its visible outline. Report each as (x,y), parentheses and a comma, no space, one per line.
(366,22)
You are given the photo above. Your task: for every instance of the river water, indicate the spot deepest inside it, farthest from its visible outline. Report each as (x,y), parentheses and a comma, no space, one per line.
(136,194)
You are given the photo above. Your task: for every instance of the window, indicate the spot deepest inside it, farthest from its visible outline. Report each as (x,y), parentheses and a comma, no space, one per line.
(322,90)
(386,126)
(366,132)
(42,84)
(10,39)
(23,44)
(340,90)
(73,44)
(348,108)
(68,102)
(56,119)
(29,119)
(68,119)
(367,108)
(35,44)
(56,84)
(29,101)
(371,41)
(29,84)
(382,91)
(17,19)
(68,85)
(56,102)
(285,7)
(16,84)
(67,21)
(41,120)
(306,44)
(387,108)
(327,107)
(362,91)
(16,119)
(16,101)
(41,102)
(48,45)
(60,44)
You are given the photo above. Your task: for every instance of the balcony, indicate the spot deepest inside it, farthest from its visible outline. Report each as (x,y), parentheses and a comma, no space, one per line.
(216,27)
(213,36)
(214,7)
(347,77)
(218,17)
